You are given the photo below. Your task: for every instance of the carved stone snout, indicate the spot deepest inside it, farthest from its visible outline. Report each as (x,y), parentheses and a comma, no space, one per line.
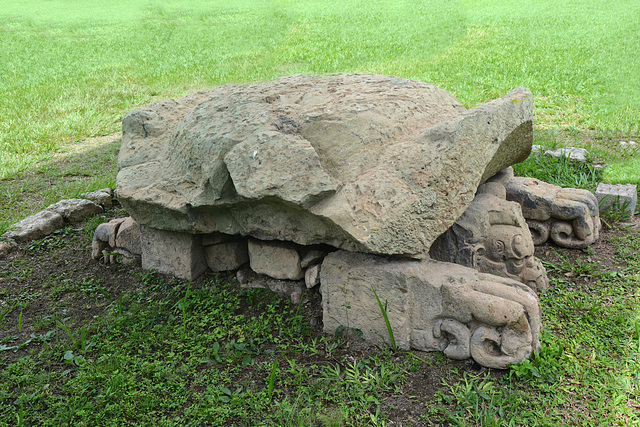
(568,216)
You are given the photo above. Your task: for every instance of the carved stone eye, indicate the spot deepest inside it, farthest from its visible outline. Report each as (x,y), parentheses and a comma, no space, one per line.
(497,247)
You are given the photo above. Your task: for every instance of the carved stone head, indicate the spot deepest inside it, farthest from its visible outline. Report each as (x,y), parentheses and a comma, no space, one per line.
(492,237)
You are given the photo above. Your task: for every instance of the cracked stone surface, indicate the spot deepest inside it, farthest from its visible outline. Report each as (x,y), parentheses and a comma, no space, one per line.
(361,162)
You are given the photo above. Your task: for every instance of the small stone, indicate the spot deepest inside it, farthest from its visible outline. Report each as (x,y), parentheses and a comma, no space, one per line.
(312,276)
(536,150)
(247,278)
(128,236)
(75,210)
(279,260)
(103,197)
(227,256)
(619,194)
(313,256)
(575,154)
(5,248)
(36,226)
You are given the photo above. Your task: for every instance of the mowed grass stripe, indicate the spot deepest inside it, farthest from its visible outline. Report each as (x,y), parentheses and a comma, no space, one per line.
(71,69)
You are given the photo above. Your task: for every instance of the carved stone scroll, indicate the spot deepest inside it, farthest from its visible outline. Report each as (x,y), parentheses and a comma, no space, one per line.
(432,305)
(568,216)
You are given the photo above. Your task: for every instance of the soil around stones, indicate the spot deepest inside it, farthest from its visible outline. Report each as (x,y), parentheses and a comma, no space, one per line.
(29,271)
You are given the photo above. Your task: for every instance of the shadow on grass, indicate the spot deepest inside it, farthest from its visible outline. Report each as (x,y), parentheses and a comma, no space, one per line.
(78,168)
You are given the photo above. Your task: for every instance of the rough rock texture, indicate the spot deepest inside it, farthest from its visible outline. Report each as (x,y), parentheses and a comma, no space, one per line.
(170,252)
(103,197)
(75,210)
(35,226)
(227,256)
(492,237)
(432,306)
(568,216)
(279,260)
(361,162)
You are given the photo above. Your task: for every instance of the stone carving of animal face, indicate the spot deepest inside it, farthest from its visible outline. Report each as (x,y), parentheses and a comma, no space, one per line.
(507,251)
(492,237)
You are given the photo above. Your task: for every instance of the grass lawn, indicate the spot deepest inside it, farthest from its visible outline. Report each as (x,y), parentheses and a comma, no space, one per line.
(69,71)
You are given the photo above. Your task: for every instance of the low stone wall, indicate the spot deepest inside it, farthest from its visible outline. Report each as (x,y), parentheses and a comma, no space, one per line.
(432,305)
(55,217)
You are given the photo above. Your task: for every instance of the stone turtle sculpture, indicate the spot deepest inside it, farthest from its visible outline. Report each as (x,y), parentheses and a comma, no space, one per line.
(369,168)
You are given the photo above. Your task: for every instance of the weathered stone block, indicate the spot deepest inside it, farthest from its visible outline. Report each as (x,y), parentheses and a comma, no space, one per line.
(227,256)
(170,252)
(609,195)
(292,289)
(129,237)
(36,226)
(279,260)
(432,305)
(75,210)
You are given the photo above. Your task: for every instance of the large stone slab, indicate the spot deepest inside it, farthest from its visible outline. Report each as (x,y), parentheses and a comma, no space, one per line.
(357,161)
(432,305)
